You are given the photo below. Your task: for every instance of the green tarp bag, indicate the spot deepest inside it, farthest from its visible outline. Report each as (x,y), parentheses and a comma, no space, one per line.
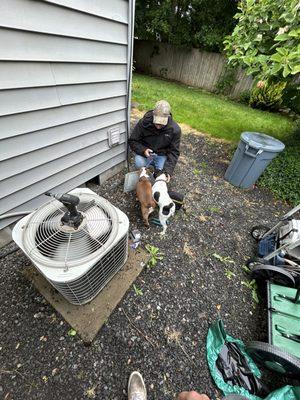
(217,341)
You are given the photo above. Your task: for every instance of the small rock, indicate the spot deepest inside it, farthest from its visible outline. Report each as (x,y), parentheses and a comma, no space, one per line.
(55,371)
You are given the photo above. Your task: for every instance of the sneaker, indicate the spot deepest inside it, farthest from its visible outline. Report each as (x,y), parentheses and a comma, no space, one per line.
(136,387)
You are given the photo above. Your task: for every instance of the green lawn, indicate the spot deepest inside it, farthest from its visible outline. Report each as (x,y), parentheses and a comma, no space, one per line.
(208,112)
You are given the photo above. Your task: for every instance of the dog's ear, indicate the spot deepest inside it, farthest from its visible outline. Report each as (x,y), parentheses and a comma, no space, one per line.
(156,196)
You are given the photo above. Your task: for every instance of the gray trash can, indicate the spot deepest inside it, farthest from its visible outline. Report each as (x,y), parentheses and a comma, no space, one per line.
(254,153)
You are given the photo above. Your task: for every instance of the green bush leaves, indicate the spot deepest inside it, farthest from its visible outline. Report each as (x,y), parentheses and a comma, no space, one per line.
(266,38)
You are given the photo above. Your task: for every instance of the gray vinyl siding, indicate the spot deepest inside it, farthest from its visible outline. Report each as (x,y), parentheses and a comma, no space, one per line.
(65,68)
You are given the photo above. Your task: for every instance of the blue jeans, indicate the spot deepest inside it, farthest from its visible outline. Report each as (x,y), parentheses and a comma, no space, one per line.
(157,161)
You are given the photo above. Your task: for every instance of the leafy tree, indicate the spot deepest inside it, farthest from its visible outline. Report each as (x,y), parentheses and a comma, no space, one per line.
(161,20)
(211,21)
(266,39)
(192,23)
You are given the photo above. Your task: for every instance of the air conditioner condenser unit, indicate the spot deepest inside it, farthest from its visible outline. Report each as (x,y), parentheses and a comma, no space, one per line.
(77,241)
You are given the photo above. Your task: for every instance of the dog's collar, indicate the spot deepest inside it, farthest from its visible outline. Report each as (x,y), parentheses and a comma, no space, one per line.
(160,180)
(144,176)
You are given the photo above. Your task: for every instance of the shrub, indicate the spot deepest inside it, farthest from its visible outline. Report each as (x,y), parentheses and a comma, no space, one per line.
(227,80)
(245,97)
(267,95)
(282,175)
(291,97)
(297,131)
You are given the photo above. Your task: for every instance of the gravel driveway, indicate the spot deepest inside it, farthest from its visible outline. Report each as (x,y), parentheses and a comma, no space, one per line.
(199,278)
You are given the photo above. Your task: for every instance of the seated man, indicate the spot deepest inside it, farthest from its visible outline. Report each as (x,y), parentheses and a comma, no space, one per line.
(156,139)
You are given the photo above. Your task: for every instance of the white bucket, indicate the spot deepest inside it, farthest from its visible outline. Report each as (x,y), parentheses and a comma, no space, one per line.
(131,180)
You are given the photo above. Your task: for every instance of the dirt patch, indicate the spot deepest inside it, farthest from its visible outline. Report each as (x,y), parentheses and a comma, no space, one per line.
(163,333)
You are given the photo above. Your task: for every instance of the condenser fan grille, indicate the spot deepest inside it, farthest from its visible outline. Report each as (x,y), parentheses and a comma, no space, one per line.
(50,242)
(81,290)
(53,241)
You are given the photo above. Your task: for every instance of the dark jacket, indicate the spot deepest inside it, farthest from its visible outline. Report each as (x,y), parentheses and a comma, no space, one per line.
(164,141)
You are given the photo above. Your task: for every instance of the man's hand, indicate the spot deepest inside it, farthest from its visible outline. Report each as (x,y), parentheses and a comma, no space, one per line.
(192,396)
(148,152)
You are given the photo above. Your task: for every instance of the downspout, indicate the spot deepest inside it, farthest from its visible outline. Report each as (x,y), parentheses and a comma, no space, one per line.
(131,14)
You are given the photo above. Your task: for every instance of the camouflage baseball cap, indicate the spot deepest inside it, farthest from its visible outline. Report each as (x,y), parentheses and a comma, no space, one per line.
(161,112)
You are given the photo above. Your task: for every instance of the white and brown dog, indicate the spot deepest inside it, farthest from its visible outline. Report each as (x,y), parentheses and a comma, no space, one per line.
(144,195)
(164,201)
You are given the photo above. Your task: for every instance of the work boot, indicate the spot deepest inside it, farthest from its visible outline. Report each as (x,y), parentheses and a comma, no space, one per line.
(136,387)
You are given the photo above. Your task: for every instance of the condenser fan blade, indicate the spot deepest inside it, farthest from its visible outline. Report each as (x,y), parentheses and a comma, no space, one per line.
(52,223)
(98,222)
(73,247)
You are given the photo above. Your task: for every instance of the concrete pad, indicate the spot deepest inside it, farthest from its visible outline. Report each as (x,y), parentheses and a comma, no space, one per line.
(5,236)
(89,318)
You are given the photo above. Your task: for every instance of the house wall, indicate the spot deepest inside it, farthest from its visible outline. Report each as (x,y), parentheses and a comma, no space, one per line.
(65,68)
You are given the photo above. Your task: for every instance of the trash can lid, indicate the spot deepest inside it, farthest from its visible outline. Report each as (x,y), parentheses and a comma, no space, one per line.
(262,141)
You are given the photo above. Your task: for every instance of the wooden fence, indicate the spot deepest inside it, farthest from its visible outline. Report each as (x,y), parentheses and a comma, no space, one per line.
(190,66)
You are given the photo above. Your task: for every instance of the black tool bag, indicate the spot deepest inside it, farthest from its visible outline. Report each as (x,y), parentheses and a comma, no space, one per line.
(177,198)
(235,370)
